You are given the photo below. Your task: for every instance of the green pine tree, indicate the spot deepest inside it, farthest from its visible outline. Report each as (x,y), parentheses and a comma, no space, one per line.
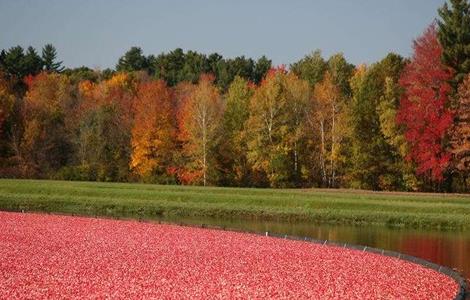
(33,63)
(311,68)
(49,56)
(133,60)
(454,36)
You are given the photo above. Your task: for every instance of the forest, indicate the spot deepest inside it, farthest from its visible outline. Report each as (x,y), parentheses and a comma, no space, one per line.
(183,117)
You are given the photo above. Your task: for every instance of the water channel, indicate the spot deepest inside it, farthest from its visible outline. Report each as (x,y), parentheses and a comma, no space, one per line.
(447,248)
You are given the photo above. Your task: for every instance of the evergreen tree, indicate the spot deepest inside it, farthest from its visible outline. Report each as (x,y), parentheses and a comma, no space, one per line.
(133,60)
(310,68)
(16,65)
(194,66)
(168,66)
(212,61)
(454,36)
(33,63)
(3,54)
(13,62)
(49,56)
(262,67)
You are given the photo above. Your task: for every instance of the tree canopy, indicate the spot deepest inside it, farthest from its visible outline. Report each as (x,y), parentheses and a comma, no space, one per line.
(187,117)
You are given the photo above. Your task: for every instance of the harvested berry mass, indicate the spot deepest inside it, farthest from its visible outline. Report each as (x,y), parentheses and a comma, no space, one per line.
(50,257)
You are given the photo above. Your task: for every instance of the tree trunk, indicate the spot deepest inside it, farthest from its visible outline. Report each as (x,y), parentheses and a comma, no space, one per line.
(333,144)
(204,150)
(322,152)
(295,158)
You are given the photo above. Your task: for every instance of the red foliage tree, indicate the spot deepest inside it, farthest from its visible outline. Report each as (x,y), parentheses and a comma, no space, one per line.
(424,108)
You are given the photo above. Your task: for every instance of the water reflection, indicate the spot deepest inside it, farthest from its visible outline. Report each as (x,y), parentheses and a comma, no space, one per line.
(448,248)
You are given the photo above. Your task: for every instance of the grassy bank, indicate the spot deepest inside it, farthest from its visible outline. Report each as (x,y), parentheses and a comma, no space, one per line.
(125,200)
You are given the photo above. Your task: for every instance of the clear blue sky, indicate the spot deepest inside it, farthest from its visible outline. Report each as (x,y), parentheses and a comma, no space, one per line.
(96,32)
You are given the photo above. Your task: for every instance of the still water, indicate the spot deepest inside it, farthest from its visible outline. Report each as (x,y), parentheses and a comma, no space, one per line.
(448,248)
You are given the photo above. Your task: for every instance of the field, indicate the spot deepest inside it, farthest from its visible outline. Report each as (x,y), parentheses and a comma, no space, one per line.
(57,257)
(142,201)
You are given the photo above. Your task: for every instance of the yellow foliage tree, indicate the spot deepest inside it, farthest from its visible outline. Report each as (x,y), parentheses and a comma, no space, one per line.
(324,117)
(200,117)
(45,145)
(277,110)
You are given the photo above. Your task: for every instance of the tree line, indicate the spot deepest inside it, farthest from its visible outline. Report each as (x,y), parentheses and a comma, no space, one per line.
(190,118)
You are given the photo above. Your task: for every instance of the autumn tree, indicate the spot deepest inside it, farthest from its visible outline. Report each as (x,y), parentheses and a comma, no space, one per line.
(323,118)
(394,135)
(460,132)
(277,111)
(233,147)
(105,120)
(45,145)
(423,107)
(401,172)
(298,95)
(199,120)
(82,74)
(373,162)
(153,133)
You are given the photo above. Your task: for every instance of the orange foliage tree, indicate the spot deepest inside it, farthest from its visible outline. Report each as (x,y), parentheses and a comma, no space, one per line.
(154,132)
(119,90)
(460,133)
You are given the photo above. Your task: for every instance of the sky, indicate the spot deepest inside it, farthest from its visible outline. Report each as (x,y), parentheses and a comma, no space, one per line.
(95,33)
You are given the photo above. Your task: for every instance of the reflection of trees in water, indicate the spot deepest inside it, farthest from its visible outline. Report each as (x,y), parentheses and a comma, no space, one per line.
(442,247)
(453,251)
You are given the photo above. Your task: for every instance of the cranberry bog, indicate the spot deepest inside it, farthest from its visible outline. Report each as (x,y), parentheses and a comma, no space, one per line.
(51,256)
